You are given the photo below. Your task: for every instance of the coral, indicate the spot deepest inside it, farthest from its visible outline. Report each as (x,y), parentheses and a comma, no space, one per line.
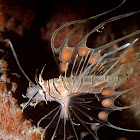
(14,17)
(13,125)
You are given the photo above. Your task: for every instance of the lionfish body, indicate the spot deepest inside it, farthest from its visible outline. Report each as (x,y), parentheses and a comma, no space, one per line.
(86,87)
(59,88)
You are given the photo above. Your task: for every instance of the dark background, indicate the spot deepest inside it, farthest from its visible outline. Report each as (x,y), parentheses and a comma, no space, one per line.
(34,52)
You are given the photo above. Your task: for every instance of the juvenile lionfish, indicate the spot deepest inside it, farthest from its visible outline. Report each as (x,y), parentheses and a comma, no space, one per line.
(86,88)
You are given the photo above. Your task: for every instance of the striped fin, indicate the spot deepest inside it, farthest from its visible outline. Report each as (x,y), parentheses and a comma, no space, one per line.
(72,61)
